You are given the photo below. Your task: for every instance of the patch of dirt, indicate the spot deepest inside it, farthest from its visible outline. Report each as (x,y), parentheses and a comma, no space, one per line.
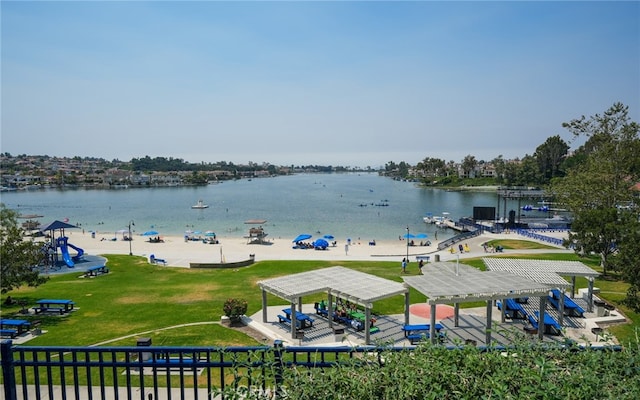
(247,330)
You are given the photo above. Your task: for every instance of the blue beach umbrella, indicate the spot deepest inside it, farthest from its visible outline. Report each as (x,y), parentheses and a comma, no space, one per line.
(329,237)
(209,233)
(320,244)
(409,236)
(150,233)
(421,236)
(302,237)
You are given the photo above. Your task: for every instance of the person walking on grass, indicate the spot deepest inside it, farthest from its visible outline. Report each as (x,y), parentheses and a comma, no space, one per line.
(404,265)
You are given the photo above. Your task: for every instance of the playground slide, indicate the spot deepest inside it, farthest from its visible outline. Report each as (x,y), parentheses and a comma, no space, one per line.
(78,249)
(65,252)
(64,249)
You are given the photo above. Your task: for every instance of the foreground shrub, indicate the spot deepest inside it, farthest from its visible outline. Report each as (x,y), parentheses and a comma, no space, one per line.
(234,308)
(524,371)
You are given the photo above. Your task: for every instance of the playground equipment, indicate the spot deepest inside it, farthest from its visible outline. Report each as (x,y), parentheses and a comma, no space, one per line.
(63,243)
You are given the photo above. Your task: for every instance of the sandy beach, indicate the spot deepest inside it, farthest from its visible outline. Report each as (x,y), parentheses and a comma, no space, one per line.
(179,253)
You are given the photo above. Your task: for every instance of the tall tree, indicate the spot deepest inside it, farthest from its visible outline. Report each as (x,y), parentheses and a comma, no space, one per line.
(18,257)
(469,163)
(550,156)
(596,189)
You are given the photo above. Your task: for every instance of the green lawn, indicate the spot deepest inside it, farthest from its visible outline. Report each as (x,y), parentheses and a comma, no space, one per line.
(140,299)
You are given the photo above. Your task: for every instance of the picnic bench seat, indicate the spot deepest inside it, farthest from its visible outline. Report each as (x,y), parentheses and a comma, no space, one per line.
(513,309)
(286,320)
(571,309)
(12,333)
(417,337)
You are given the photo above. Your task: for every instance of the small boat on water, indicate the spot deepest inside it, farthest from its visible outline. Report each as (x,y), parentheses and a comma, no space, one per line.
(200,205)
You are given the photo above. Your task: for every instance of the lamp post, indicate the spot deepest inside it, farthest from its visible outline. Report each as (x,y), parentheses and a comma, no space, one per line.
(130,238)
(407,244)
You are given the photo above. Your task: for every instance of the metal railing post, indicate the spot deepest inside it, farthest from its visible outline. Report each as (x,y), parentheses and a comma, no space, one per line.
(278,347)
(8,372)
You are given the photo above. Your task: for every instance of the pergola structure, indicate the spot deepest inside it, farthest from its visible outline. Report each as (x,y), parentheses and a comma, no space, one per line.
(548,272)
(450,282)
(337,282)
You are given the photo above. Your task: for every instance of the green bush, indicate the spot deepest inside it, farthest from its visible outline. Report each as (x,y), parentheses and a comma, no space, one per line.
(234,308)
(525,371)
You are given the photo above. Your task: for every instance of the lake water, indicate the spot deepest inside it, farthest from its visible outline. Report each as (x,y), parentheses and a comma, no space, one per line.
(343,205)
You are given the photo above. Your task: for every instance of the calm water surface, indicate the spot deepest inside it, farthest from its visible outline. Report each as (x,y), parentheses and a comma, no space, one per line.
(343,205)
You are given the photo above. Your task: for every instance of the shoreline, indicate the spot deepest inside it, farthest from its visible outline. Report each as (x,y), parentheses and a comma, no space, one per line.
(180,253)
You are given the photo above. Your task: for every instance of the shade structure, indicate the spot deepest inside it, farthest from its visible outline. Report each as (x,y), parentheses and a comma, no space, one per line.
(320,244)
(210,233)
(151,233)
(56,225)
(301,237)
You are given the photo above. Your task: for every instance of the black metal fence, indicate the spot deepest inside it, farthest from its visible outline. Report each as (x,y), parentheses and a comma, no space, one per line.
(32,372)
(154,373)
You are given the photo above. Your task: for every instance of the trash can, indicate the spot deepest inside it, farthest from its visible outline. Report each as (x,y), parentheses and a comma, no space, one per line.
(599,305)
(338,334)
(436,258)
(93,235)
(144,342)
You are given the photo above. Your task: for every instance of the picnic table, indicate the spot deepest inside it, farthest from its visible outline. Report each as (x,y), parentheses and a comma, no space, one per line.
(416,329)
(357,315)
(551,326)
(513,309)
(304,320)
(571,309)
(53,305)
(96,270)
(13,327)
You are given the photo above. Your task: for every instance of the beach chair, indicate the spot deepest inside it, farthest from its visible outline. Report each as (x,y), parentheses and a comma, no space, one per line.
(154,260)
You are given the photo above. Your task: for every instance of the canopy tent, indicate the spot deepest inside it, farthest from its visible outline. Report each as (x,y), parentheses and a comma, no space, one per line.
(448,282)
(354,286)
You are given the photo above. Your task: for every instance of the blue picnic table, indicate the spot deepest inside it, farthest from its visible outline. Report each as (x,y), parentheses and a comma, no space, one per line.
(551,326)
(55,305)
(514,309)
(571,309)
(13,327)
(304,320)
(414,329)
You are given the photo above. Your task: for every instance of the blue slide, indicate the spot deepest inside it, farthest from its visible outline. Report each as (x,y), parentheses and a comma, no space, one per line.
(62,243)
(79,250)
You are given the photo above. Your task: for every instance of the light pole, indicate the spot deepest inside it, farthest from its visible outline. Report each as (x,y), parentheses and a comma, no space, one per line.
(130,238)
(407,244)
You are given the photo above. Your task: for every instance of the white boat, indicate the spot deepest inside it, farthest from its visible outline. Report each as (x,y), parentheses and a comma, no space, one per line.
(200,205)
(433,219)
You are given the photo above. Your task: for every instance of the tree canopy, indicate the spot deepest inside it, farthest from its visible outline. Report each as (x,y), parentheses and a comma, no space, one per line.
(600,190)
(18,257)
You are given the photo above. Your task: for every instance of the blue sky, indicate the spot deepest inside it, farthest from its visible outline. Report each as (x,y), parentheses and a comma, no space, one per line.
(329,83)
